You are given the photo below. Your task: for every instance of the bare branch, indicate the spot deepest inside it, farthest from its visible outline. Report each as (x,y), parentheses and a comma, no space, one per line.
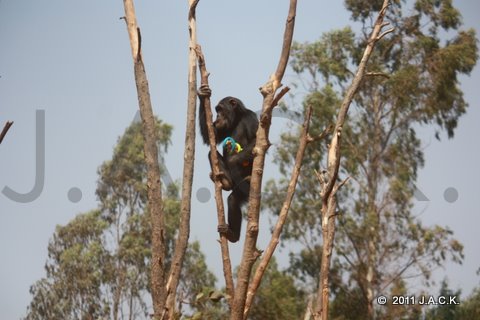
(287,41)
(339,185)
(377,74)
(132,28)
(139,49)
(7,126)
(324,133)
(154,188)
(279,96)
(192,13)
(385,33)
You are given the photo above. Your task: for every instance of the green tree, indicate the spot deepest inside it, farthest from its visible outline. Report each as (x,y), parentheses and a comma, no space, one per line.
(75,271)
(122,192)
(470,307)
(278,297)
(406,310)
(411,81)
(462,309)
(99,263)
(446,311)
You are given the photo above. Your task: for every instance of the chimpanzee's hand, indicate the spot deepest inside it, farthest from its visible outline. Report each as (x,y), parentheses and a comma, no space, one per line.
(224,179)
(204,91)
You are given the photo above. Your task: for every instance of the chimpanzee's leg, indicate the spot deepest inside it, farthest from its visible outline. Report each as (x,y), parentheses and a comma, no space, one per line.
(235,201)
(224,174)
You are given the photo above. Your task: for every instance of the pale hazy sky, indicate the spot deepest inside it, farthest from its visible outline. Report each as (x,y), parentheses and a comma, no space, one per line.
(72,59)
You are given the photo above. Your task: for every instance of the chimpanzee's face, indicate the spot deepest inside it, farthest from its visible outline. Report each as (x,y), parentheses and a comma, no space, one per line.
(226,114)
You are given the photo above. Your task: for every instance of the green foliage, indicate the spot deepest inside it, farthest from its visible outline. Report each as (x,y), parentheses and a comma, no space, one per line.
(440,12)
(75,272)
(122,180)
(194,266)
(470,307)
(363,9)
(304,266)
(277,297)
(329,56)
(209,304)
(464,309)
(412,80)
(412,311)
(348,305)
(445,311)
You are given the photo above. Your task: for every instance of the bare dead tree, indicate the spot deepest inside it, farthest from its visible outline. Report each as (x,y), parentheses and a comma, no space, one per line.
(227,265)
(328,179)
(154,190)
(7,126)
(188,158)
(268,90)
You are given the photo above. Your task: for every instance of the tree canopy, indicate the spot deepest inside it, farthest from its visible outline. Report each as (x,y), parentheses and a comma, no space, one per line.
(412,80)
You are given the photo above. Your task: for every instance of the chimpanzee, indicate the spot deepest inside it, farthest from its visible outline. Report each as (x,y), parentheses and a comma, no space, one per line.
(235,128)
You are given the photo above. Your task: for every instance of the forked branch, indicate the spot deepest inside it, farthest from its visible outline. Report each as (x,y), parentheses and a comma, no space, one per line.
(328,182)
(250,253)
(267,255)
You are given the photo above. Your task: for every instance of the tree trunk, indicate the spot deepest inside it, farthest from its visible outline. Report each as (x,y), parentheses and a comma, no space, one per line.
(154,190)
(188,158)
(329,181)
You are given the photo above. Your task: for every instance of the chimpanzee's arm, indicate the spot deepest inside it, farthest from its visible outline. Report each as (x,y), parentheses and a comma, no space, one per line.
(203,92)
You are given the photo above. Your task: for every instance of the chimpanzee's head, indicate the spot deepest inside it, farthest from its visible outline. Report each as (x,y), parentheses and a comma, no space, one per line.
(229,111)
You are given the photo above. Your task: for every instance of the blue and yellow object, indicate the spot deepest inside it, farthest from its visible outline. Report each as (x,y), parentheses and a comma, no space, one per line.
(231,145)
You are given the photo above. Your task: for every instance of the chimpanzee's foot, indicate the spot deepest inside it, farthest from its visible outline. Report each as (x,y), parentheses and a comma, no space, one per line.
(225,230)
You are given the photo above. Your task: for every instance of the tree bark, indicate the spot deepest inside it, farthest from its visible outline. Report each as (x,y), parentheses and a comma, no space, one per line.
(154,190)
(188,158)
(329,184)
(250,253)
